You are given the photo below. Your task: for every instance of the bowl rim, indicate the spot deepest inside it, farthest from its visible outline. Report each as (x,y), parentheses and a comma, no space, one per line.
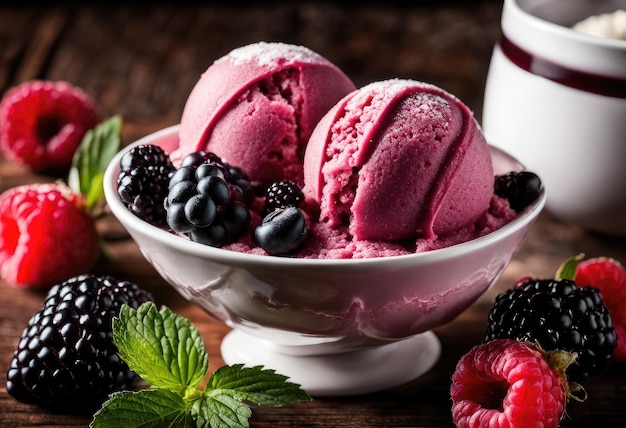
(131,221)
(550,43)
(554,29)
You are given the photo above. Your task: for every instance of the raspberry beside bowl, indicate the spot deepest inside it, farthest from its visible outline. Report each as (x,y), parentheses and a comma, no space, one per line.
(323,322)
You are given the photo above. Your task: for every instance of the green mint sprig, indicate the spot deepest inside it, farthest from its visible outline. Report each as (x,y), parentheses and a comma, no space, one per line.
(96,150)
(167,351)
(567,269)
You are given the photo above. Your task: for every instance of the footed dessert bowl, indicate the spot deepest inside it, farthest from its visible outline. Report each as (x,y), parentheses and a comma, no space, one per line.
(327,323)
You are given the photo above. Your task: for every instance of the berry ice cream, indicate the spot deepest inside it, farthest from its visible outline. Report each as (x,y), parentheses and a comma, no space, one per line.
(398,160)
(396,167)
(393,168)
(257,107)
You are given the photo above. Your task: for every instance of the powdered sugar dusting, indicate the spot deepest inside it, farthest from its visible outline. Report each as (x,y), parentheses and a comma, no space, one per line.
(273,54)
(391,87)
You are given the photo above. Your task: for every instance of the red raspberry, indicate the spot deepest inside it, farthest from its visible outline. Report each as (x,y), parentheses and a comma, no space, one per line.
(46,236)
(506,383)
(42,123)
(609,276)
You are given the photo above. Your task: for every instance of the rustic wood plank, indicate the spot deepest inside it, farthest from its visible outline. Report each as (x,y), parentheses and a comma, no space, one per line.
(141,61)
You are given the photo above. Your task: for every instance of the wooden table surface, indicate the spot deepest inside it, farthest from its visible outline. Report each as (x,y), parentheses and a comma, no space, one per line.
(141,61)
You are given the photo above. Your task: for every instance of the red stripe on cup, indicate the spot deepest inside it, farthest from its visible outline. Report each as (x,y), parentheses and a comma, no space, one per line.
(589,82)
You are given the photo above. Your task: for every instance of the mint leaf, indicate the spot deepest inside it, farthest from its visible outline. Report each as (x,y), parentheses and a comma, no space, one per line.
(95,152)
(220,411)
(166,350)
(163,348)
(567,270)
(148,408)
(257,385)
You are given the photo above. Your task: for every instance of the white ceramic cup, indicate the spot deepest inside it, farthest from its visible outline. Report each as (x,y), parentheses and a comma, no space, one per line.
(556,100)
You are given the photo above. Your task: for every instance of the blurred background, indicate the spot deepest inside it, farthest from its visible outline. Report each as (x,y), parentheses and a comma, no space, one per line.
(112,49)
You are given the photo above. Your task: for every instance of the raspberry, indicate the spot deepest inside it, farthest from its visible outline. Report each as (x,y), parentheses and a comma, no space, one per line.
(42,123)
(66,358)
(45,235)
(143,181)
(282,194)
(609,276)
(519,188)
(558,315)
(507,383)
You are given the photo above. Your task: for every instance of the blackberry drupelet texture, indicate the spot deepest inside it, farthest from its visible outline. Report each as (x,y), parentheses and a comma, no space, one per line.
(66,359)
(520,188)
(208,200)
(609,276)
(143,180)
(559,315)
(282,194)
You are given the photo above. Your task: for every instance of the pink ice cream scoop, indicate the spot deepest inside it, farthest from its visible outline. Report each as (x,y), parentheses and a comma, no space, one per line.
(399,160)
(257,106)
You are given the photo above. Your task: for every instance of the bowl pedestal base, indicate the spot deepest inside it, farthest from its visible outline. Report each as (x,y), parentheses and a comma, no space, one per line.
(342,374)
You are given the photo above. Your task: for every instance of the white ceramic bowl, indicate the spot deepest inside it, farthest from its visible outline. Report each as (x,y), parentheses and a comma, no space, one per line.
(326,323)
(556,100)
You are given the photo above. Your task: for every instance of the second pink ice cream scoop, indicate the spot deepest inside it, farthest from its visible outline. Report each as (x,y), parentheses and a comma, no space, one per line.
(399,160)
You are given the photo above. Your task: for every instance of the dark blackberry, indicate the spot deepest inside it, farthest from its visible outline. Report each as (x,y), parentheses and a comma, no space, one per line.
(142,182)
(144,155)
(207,200)
(559,315)
(281,231)
(196,159)
(66,358)
(240,188)
(519,188)
(282,194)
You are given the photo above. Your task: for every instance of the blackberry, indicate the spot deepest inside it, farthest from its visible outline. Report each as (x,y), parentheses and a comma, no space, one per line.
(519,188)
(208,200)
(282,194)
(66,358)
(281,231)
(240,187)
(559,315)
(142,182)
